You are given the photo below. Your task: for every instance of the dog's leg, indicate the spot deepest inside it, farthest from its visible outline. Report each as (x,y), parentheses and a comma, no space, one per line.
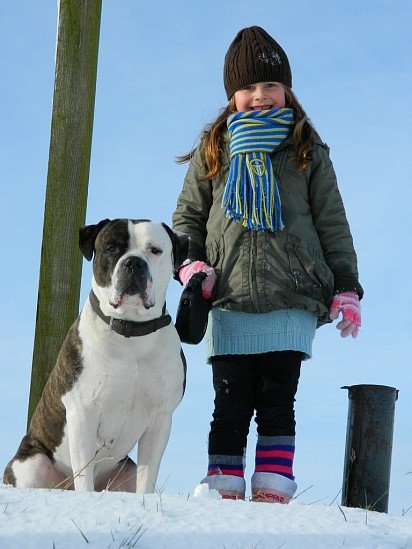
(82,431)
(150,451)
(37,471)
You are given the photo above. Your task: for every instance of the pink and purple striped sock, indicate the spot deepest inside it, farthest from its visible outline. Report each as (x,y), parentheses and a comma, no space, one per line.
(275,455)
(226,465)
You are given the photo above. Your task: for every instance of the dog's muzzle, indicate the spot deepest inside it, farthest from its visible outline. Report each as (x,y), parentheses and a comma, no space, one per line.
(133,279)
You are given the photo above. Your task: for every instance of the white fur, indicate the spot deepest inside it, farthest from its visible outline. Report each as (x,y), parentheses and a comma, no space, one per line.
(36,472)
(126,393)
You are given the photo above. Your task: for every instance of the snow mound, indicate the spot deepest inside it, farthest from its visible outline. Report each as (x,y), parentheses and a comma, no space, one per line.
(67,520)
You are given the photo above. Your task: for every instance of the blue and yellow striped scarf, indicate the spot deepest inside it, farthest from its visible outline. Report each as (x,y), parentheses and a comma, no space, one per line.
(251,193)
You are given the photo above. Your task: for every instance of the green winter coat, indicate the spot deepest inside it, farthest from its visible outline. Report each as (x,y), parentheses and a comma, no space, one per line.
(301,266)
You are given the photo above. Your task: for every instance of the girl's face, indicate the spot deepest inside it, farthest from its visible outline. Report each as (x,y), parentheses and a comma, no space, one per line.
(260,96)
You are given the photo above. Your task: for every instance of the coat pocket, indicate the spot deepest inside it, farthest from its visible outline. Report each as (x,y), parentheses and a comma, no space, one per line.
(310,273)
(215,255)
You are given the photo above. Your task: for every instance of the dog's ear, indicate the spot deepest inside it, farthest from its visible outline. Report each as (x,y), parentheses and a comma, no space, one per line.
(180,242)
(87,238)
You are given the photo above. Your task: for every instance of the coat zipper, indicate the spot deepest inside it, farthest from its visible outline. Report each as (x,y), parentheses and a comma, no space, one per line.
(253,271)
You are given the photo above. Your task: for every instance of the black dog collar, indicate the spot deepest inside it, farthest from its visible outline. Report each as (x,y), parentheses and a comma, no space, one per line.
(129,328)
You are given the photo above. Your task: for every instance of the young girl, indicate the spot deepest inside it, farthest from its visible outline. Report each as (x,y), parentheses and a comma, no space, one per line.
(262,207)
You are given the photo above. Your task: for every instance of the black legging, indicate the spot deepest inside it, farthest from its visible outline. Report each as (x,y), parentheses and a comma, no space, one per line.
(266,383)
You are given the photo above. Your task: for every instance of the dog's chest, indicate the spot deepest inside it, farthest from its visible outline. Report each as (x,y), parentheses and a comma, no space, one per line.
(121,387)
(129,381)
(129,399)
(120,401)
(124,385)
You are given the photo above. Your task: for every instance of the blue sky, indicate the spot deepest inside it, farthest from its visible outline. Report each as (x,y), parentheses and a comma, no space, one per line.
(159,82)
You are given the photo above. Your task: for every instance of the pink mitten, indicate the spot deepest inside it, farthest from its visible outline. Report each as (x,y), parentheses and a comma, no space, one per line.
(187,271)
(348,304)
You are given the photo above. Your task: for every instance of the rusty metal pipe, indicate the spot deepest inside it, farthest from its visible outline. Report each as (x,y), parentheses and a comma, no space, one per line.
(368,452)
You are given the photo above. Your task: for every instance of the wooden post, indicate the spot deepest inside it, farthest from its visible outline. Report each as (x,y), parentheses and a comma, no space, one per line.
(67,182)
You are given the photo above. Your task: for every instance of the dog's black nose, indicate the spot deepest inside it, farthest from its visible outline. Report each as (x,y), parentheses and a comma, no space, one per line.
(133,262)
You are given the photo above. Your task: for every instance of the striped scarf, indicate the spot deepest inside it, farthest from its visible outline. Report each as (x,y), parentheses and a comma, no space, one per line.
(251,193)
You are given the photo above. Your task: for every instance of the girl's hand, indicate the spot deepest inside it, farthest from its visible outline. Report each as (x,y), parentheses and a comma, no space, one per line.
(187,271)
(348,304)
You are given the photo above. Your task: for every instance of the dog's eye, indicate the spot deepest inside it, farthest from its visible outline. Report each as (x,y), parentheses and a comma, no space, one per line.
(155,251)
(111,248)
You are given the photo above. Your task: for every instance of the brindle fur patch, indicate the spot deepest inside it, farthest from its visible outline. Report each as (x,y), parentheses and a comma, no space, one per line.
(8,475)
(111,243)
(50,410)
(46,428)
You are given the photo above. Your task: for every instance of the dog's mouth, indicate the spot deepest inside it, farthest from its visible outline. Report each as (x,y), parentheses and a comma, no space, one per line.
(121,300)
(132,286)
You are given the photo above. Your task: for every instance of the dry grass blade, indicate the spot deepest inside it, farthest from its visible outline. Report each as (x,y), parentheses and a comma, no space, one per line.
(373,505)
(111,481)
(341,510)
(84,537)
(303,491)
(69,480)
(404,512)
(334,499)
(316,501)
(130,541)
(163,486)
(161,502)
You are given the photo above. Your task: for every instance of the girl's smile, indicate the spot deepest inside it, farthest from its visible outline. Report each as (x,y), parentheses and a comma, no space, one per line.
(260,96)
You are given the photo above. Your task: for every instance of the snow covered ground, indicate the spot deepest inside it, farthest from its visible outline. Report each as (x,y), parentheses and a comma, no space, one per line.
(67,520)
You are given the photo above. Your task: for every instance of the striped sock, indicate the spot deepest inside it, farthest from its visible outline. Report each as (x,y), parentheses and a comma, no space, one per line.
(275,455)
(226,465)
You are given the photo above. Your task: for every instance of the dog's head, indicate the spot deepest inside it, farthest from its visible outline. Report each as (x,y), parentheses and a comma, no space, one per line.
(133,262)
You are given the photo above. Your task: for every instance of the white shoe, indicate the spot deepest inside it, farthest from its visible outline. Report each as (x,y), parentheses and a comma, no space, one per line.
(272,488)
(228,486)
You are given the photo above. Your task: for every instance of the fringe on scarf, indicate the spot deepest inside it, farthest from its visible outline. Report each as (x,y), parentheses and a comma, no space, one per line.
(251,194)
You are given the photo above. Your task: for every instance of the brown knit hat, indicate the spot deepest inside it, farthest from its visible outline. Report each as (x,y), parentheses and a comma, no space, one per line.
(254,56)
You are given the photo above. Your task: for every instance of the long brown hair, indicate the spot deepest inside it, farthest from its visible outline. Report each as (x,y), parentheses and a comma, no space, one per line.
(212,136)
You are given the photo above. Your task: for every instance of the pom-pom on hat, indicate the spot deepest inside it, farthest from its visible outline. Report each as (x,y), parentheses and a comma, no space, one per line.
(254,56)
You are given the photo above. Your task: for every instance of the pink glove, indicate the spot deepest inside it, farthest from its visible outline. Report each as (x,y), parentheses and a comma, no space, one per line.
(348,304)
(187,271)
